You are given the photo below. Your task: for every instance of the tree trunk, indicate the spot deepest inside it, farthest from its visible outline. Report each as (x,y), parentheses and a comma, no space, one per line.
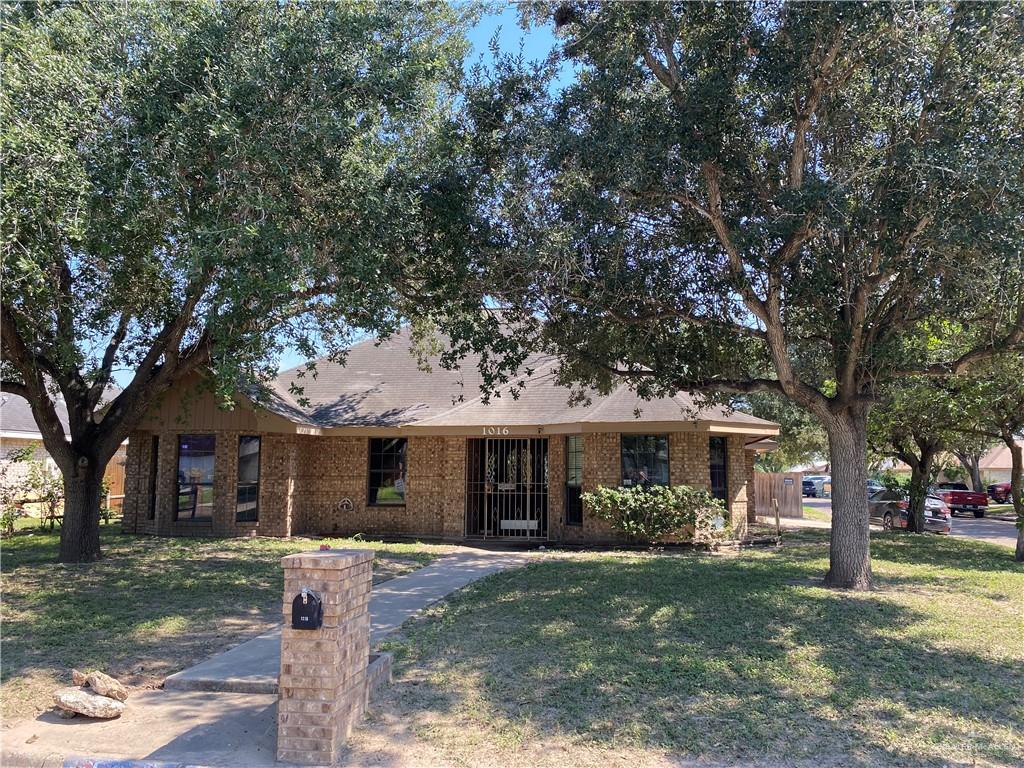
(850,547)
(972,463)
(919,477)
(1017,492)
(80,531)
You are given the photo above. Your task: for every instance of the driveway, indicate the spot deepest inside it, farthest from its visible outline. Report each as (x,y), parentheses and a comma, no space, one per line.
(985,529)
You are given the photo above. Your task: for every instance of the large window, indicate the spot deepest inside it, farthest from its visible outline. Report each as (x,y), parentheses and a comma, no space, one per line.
(387,470)
(154,465)
(573,480)
(247,495)
(644,460)
(717,460)
(195,477)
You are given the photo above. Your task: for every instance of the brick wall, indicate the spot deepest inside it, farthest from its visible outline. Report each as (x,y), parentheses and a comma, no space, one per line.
(556,489)
(688,465)
(749,458)
(305,479)
(455,490)
(738,482)
(278,466)
(602,465)
(336,469)
(331,471)
(322,685)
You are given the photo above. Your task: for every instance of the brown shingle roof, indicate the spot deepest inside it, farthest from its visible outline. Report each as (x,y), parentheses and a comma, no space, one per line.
(382,385)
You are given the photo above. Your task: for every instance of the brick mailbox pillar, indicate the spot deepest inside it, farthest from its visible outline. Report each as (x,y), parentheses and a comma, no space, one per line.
(322,687)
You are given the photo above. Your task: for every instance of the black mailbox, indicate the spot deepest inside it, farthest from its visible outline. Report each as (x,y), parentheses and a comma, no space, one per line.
(307,610)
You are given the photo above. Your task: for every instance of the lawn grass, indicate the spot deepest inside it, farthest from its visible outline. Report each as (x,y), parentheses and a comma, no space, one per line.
(816,513)
(599,658)
(152,606)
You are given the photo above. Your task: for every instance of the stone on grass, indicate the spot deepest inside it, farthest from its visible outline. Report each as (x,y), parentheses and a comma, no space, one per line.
(78,678)
(85,702)
(105,685)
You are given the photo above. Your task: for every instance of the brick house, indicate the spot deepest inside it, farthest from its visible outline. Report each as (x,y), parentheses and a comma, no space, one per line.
(384,447)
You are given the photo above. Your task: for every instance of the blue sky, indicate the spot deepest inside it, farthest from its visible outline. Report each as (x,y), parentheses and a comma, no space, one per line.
(536,43)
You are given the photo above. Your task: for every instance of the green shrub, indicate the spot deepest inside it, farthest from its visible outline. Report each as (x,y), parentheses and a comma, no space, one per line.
(658,513)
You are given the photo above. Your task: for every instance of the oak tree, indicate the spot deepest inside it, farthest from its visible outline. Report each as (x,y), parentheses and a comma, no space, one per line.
(797,198)
(915,421)
(195,186)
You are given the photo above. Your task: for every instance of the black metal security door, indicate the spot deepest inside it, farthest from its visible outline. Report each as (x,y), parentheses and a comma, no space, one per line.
(507,487)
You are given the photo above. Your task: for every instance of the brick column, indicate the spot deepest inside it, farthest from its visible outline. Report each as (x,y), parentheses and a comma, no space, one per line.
(322,688)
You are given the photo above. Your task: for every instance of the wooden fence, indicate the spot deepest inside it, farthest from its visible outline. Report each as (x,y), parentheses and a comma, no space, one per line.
(787,487)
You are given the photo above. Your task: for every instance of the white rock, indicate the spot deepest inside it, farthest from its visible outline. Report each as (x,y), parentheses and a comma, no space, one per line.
(85,702)
(105,685)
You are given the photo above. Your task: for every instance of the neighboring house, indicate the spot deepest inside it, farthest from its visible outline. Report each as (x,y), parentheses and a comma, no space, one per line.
(995,465)
(18,429)
(385,448)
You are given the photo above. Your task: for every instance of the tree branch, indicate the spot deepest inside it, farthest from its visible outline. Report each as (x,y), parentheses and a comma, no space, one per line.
(33,389)
(107,364)
(15,388)
(805,112)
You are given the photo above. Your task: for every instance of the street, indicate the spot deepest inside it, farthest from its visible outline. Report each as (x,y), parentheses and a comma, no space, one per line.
(985,529)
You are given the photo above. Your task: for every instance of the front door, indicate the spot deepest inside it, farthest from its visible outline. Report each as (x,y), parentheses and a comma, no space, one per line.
(507,487)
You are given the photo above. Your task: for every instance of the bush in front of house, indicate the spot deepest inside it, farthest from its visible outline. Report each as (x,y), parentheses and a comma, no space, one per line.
(658,513)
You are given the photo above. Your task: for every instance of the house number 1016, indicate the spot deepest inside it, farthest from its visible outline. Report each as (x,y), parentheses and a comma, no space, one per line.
(495,430)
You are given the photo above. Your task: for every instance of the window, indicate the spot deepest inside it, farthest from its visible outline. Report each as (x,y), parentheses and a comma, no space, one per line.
(387,470)
(195,477)
(573,480)
(717,459)
(644,460)
(154,462)
(247,495)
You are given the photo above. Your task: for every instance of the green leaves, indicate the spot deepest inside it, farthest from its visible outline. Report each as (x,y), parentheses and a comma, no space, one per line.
(830,161)
(661,513)
(259,165)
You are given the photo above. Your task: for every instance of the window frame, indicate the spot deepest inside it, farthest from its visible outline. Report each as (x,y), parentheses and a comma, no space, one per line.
(371,489)
(212,484)
(573,502)
(723,469)
(255,518)
(622,465)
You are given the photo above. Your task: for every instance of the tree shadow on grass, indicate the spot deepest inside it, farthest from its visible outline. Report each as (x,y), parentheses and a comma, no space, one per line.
(713,657)
(140,612)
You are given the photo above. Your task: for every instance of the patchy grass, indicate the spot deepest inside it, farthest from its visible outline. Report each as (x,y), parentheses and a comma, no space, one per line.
(152,606)
(654,659)
(816,513)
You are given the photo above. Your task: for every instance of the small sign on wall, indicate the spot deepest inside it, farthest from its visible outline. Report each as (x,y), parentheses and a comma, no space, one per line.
(787,481)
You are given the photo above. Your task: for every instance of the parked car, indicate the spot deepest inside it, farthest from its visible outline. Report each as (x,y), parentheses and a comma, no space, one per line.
(890,509)
(815,486)
(960,499)
(999,493)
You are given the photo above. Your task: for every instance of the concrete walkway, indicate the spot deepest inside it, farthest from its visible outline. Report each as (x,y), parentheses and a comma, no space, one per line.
(253,666)
(223,712)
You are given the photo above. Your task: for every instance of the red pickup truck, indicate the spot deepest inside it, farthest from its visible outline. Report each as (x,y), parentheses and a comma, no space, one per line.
(959,499)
